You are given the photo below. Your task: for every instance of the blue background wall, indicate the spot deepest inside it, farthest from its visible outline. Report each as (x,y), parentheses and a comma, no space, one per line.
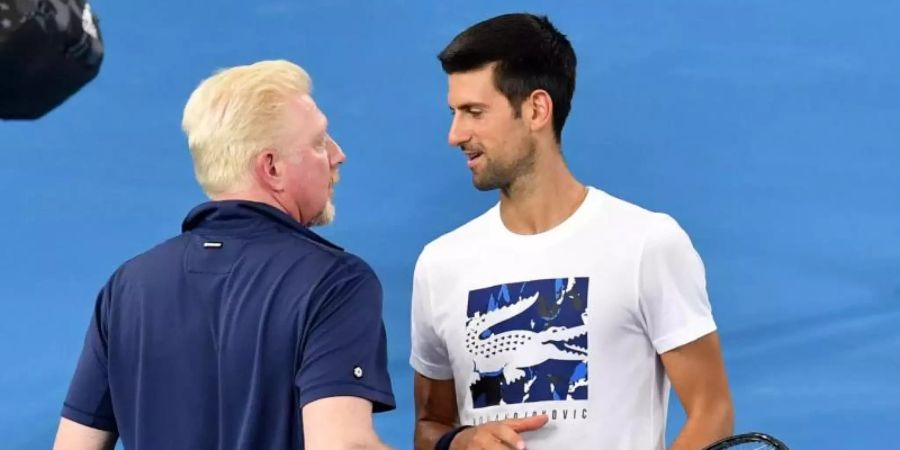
(768,129)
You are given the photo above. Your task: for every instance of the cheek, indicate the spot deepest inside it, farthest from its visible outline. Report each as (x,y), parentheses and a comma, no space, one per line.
(497,135)
(314,168)
(325,168)
(318,176)
(514,141)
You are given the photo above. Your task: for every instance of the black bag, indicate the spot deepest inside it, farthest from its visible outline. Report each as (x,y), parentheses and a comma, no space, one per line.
(49,49)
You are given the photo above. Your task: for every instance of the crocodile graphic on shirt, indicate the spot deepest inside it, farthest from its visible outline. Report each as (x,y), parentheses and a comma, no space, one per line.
(522,340)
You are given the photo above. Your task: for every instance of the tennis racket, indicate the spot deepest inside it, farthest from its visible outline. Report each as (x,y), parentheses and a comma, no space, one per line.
(749,441)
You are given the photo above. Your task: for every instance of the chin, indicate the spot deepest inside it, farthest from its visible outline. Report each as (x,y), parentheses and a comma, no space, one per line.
(325,217)
(484,186)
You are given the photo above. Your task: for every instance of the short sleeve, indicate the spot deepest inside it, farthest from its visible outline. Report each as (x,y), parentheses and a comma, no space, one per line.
(344,352)
(673,298)
(428,355)
(88,401)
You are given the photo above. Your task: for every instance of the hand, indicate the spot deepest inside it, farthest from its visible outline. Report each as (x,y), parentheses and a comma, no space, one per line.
(503,435)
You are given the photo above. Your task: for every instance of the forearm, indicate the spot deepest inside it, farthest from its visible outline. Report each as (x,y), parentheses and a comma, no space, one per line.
(705,427)
(428,432)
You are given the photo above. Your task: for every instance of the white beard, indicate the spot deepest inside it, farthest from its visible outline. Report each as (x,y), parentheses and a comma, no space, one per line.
(325,217)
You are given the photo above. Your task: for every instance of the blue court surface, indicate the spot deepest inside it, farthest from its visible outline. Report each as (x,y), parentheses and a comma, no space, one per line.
(770,130)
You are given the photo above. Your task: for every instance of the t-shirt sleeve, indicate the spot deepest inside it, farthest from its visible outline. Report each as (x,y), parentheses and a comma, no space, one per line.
(673,299)
(88,401)
(344,352)
(428,355)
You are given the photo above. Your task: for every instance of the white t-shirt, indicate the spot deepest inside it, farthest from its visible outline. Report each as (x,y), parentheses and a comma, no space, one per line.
(568,322)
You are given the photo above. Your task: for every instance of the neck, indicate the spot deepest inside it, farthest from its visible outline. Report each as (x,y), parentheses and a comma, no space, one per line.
(260,196)
(542,199)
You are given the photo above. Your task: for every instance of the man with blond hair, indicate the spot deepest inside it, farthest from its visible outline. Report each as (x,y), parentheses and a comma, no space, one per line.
(248,330)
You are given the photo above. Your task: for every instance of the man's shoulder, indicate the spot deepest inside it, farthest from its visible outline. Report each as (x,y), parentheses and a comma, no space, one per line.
(163,254)
(642,229)
(303,257)
(310,259)
(466,236)
(627,215)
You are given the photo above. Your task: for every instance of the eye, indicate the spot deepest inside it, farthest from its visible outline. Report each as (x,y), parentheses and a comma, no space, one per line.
(471,111)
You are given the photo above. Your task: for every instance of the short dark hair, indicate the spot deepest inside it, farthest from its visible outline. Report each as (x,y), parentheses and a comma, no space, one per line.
(530,54)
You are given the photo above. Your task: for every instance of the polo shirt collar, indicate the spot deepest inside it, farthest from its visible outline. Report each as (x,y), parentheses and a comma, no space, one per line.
(218,214)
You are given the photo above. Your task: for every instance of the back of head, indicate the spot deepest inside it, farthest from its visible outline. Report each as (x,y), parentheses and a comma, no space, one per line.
(233,115)
(530,54)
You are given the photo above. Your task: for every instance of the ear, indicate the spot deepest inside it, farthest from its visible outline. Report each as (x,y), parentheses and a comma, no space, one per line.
(538,110)
(267,170)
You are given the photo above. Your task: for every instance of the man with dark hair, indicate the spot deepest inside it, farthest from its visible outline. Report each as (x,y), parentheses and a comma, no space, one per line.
(559,316)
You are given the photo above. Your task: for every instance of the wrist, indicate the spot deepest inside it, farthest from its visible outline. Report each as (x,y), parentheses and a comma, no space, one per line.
(447,438)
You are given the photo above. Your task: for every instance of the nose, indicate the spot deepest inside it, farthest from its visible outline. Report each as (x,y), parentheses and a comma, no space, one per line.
(458,134)
(336,154)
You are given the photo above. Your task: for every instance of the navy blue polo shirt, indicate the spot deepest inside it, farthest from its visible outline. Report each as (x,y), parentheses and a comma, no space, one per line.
(216,339)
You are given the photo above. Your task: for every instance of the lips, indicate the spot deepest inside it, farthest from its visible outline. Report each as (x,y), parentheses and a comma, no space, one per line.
(472,157)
